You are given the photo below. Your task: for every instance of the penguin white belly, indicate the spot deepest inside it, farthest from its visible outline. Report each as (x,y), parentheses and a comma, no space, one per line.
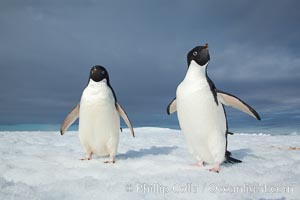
(202,121)
(99,121)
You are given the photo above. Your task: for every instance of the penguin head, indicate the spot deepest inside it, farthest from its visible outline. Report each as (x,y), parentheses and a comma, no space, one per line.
(98,73)
(199,54)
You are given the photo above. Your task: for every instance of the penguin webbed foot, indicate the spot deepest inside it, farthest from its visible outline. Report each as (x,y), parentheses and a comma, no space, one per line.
(216,168)
(111,160)
(86,158)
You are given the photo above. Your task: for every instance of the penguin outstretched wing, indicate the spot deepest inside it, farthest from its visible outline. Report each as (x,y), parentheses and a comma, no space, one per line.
(123,114)
(225,98)
(70,119)
(74,114)
(172,107)
(233,101)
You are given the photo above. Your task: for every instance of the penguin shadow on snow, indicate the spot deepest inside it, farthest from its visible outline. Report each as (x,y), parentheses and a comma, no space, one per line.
(145,152)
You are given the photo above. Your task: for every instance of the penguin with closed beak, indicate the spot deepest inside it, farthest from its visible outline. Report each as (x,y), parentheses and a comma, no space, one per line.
(201,114)
(99,117)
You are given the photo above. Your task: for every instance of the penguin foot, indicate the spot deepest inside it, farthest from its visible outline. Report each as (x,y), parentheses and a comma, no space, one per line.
(216,168)
(198,164)
(110,161)
(86,158)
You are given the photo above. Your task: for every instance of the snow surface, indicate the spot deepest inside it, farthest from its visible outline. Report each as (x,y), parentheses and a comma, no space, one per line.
(154,165)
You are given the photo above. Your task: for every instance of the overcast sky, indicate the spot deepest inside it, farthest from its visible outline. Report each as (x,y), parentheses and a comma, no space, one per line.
(48,47)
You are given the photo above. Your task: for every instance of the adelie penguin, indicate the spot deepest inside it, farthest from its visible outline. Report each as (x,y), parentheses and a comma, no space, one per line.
(201,114)
(99,117)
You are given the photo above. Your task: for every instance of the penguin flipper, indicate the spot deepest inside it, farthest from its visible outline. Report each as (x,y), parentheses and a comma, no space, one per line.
(70,119)
(233,101)
(172,107)
(123,114)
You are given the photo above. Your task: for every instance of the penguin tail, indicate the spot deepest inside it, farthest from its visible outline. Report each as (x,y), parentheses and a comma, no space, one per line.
(230,133)
(229,159)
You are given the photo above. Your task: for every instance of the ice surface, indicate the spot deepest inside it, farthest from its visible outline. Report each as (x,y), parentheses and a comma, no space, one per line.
(154,165)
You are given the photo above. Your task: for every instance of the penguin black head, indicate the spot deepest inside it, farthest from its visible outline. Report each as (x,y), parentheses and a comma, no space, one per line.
(199,54)
(98,73)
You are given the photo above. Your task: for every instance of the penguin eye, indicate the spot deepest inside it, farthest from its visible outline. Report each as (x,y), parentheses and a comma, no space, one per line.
(195,53)
(103,72)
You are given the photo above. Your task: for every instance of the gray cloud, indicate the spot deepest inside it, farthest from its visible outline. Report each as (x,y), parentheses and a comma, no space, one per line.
(48,47)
